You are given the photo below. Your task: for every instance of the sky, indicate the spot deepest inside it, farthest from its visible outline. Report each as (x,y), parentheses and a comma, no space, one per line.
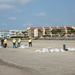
(21,14)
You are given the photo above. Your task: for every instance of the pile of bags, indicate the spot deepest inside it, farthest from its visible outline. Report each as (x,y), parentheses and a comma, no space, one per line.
(46,50)
(23,46)
(71,49)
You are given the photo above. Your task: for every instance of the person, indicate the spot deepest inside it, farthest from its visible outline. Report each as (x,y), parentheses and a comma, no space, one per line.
(30,42)
(19,42)
(5,43)
(14,43)
(2,41)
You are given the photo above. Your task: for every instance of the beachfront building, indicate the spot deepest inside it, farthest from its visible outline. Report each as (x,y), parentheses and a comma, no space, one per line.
(18,33)
(41,32)
(12,33)
(57,31)
(35,31)
(4,33)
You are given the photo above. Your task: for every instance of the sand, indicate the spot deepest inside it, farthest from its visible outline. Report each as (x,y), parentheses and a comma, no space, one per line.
(11,69)
(28,62)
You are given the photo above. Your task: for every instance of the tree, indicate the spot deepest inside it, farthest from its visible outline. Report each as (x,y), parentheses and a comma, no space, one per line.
(53,31)
(56,31)
(47,33)
(70,30)
(24,33)
(40,32)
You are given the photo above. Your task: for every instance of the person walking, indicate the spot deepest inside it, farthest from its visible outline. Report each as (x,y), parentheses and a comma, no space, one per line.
(5,43)
(19,42)
(30,42)
(14,43)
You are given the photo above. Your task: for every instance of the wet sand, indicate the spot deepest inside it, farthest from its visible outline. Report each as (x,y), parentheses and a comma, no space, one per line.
(27,62)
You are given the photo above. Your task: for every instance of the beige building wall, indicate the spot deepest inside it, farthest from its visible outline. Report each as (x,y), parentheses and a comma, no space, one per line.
(73,27)
(65,30)
(36,32)
(29,31)
(50,30)
(43,30)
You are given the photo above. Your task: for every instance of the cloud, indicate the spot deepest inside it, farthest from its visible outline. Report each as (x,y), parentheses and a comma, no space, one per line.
(41,14)
(6,1)
(9,4)
(12,18)
(15,1)
(6,6)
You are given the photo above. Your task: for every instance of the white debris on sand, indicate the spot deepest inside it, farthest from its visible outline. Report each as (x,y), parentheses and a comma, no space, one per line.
(46,50)
(51,50)
(23,46)
(71,49)
(0,46)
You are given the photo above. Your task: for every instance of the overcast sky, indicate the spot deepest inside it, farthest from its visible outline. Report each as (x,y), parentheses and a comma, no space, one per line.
(20,14)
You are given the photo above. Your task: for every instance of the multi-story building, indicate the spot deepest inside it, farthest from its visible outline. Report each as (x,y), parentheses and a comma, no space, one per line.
(4,33)
(14,33)
(11,33)
(37,32)
(46,31)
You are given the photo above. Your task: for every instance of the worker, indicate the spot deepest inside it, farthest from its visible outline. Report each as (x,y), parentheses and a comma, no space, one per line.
(19,42)
(30,42)
(5,43)
(14,43)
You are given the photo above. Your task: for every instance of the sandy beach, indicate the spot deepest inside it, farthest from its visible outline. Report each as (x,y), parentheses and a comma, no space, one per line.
(27,62)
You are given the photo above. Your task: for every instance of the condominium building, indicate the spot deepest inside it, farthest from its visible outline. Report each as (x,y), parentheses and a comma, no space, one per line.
(44,31)
(37,32)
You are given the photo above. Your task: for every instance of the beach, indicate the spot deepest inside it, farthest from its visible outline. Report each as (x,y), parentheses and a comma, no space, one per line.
(18,61)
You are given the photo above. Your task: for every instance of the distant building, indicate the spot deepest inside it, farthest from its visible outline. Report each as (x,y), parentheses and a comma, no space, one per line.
(46,31)
(11,33)
(14,33)
(4,33)
(37,32)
